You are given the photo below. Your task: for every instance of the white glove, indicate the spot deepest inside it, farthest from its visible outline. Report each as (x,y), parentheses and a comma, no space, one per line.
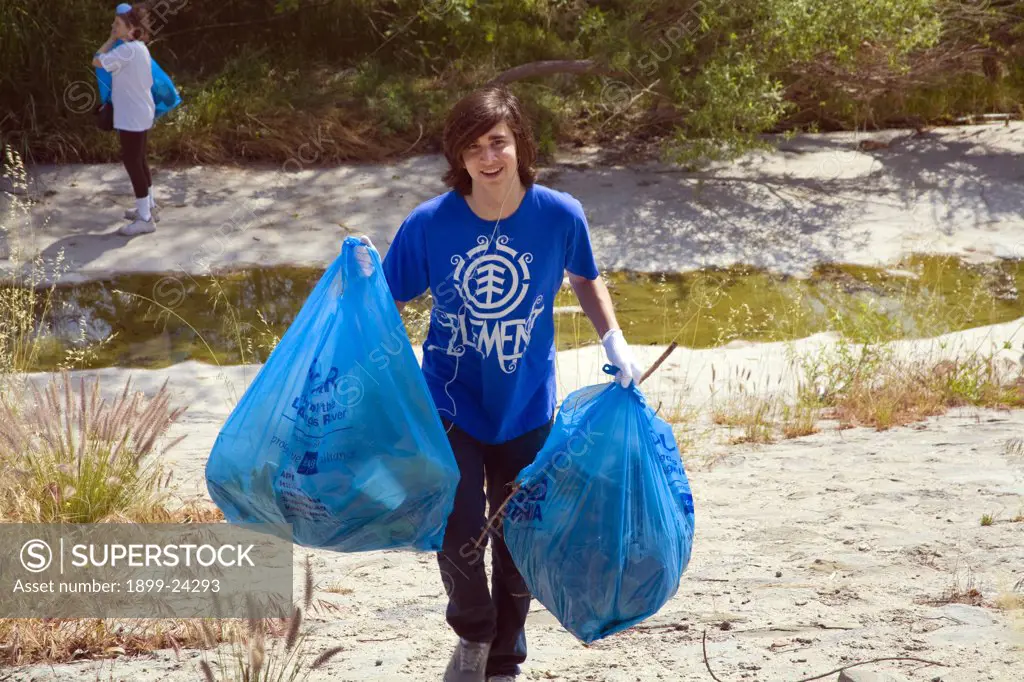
(620,355)
(363,256)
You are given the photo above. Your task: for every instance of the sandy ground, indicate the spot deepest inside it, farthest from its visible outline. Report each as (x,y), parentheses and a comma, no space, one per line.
(816,552)
(819,198)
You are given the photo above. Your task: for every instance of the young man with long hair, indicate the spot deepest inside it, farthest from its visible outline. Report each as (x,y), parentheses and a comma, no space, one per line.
(493,251)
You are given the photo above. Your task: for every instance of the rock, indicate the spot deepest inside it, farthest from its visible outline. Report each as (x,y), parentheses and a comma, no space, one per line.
(968,615)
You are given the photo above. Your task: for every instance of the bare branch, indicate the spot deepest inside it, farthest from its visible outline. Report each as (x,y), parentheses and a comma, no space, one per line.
(707,664)
(578,67)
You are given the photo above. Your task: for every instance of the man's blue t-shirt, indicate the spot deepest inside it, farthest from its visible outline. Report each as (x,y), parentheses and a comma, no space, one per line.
(489,355)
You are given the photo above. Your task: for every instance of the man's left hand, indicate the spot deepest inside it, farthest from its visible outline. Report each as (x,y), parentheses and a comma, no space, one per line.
(621,355)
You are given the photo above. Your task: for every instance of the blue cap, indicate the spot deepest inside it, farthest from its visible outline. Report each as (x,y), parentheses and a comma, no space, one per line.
(123,7)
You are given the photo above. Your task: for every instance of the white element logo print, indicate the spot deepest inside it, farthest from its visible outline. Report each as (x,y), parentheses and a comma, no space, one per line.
(491,284)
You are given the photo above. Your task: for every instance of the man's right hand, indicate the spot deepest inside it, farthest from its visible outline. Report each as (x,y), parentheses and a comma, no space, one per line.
(366,262)
(363,256)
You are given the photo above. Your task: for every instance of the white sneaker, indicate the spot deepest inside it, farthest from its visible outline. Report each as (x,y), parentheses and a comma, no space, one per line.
(133,213)
(137,227)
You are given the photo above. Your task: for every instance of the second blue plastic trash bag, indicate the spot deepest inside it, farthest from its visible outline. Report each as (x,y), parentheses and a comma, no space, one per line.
(602,525)
(337,434)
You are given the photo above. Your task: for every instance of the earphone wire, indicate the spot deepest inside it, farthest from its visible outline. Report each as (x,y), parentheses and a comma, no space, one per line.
(494,236)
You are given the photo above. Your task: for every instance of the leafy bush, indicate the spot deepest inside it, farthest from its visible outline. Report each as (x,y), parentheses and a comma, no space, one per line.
(711,74)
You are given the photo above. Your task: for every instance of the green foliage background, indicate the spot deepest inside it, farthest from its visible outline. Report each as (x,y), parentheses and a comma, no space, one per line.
(702,78)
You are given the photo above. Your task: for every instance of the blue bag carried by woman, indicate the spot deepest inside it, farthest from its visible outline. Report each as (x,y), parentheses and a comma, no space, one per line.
(337,434)
(165,95)
(601,526)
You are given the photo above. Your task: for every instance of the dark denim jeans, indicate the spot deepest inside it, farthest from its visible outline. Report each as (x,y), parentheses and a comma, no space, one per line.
(474,613)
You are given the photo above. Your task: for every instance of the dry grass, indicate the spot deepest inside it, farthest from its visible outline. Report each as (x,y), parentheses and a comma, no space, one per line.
(763,420)
(885,402)
(69,457)
(1012,599)
(59,640)
(893,394)
(27,290)
(678,413)
(24,298)
(962,590)
(799,420)
(338,588)
(993,519)
(866,385)
(896,392)
(746,409)
(251,657)
(1011,602)
(753,416)
(970,596)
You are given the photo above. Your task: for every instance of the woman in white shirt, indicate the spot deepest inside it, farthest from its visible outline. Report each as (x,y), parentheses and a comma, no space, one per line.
(131,70)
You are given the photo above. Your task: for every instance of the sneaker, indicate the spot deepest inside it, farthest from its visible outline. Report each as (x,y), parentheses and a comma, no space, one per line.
(468,662)
(137,227)
(133,214)
(501,678)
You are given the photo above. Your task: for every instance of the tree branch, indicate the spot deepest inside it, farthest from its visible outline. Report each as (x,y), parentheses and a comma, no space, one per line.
(578,67)
(873,660)
(250,22)
(704,647)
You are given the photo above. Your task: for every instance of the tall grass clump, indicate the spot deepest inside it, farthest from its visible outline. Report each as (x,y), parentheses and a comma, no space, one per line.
(747,408)
(72,457)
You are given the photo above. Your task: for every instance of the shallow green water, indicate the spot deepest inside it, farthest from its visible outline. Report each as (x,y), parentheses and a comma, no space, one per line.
(236,317)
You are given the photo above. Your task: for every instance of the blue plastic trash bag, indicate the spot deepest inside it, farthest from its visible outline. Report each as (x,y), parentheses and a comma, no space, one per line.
(165,96)
(337,434)
(601,526)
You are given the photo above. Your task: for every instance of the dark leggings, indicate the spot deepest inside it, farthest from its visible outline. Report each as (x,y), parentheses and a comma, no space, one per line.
(133,153)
